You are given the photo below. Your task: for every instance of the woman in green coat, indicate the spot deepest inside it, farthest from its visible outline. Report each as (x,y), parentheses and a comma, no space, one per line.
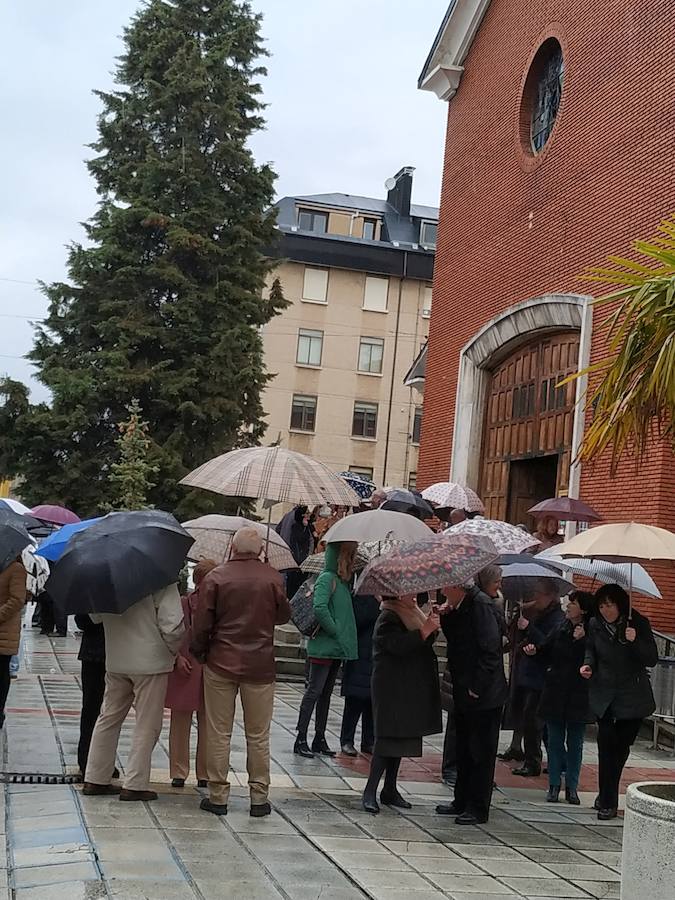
(334,642)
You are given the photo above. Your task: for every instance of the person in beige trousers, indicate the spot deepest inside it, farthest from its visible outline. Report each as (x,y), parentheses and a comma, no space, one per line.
(240,602)
(141,648)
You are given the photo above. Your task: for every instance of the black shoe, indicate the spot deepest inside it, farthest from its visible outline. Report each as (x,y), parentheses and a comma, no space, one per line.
(448,809)
(572,797)
(320,746)
(258,810)
(116,773)
(553,793)
(62,634)
(393,798)
(349,750)
(511,755)
(367,748)
(605,814)
(202,783)
(218,809)
(370,804)
(468,818)
(301,748)
(527,771)
(596,802)
(177,782)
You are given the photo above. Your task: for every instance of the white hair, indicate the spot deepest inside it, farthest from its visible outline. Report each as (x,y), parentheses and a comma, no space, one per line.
(247,542)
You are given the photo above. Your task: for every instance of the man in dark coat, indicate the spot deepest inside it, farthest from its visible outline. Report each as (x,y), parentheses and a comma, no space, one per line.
(356,675)
(547,616)
(92,673)
(475,659)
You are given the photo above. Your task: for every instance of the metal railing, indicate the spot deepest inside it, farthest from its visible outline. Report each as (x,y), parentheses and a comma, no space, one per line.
(665,643)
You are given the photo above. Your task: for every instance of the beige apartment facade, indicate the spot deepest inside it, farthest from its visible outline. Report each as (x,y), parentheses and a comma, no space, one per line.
(359,291)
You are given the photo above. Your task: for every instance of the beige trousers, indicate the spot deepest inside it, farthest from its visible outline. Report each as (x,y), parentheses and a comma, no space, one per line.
(179,745)
(257,700)
(146,694)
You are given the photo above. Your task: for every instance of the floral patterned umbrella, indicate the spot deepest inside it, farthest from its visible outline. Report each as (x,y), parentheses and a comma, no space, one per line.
(358,483)
(412,568)
(506,538)
(449,494)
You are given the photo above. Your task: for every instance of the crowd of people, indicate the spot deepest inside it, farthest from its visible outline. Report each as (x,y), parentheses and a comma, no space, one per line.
(570,663)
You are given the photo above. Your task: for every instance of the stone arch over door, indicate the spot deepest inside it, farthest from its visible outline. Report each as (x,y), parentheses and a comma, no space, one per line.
(499,338)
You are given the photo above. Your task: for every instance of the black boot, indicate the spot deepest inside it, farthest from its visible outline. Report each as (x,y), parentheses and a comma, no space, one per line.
(320,746)
(390,795)
(377,767)
(301,747)
(572,797)
(553,793)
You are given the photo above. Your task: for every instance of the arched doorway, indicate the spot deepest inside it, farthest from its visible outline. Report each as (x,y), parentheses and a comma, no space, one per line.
(528,427)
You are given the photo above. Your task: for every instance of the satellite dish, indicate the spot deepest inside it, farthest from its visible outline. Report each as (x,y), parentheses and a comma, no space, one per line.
(390,184)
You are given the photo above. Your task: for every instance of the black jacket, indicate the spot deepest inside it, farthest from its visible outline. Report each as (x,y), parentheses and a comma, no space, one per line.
(531,670)
(92,647)
(620,683)
(356,672)
(565,694)
(475,656)
(405,691)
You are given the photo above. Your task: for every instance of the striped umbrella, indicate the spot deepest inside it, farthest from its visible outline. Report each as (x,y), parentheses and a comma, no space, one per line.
(274,474)
(213,539)
(627,575)
(449,494)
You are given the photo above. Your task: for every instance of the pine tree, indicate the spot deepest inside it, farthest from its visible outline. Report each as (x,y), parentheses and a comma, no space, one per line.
(164,303)
(130,476)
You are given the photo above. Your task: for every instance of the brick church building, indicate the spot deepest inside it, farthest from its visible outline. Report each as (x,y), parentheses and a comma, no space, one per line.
(560,150)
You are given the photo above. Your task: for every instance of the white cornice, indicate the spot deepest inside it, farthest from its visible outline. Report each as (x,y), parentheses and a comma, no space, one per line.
(445,64)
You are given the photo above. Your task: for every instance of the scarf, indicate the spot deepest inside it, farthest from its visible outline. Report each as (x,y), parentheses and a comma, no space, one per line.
(409,613)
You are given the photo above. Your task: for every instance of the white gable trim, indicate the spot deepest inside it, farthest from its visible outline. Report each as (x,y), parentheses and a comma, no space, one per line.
(444,67)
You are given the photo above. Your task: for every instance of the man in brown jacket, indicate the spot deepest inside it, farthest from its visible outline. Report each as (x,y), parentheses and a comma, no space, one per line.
(233,632)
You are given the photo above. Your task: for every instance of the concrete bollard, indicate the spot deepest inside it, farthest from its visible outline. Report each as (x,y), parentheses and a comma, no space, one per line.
(648,864)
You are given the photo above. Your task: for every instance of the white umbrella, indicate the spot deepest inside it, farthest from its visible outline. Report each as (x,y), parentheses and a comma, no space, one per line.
(213,539)
(606,572)
(506,538)
(378,525)
(456,496)
(15,506)
(534,570)
(274,474)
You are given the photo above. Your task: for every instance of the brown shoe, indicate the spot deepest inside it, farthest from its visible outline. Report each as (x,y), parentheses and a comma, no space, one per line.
(98,790)
(143,796)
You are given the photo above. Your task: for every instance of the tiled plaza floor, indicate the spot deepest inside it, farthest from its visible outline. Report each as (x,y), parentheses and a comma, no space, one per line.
(317,844)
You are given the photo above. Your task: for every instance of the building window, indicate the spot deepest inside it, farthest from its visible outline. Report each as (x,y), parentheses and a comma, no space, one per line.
(303,413)
(315,285)
(523,401)
(544,91)
(369,226)
(428,234)
(412,481)
(426,302)
(310,347)
(417,426)
(308,220)
(364,422)
(375,293)
(371,351)
(364,472)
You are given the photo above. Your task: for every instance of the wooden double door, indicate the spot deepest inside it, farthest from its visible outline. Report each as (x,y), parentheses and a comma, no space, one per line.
(527,435)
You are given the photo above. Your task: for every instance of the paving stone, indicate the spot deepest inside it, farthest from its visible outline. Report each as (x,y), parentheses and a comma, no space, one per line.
(53,854)
(219,889)
(543,887)
(604,890)
(376,880)
(588,872)
(138,868)
(488,851)
(350,859)
(544,855)
(48,875)
(418,848)
(443,865)
(609,858)
(516,867)
(128,889)
(67,890)
(357,845)
(469,884)
(48,837)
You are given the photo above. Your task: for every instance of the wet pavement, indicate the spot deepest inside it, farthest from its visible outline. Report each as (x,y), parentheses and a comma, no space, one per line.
(318,843)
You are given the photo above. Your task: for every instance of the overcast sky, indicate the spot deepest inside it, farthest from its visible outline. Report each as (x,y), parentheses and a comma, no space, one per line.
(344,114)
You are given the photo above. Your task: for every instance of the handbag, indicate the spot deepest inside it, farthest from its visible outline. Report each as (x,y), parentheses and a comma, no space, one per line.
(302,608)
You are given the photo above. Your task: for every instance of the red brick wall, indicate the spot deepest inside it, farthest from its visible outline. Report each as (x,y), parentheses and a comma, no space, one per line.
(511,230)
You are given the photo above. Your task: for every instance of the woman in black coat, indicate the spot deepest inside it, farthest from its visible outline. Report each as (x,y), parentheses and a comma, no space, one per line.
(405,692)
(619,650)
(564,699)
(356,674)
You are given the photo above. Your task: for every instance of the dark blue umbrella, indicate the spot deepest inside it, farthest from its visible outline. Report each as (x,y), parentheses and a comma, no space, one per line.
(358,483)
(119,560)
(410,502)
(54,546)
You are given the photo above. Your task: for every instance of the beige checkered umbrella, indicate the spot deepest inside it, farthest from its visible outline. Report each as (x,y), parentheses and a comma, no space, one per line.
(274,474)
(213,538)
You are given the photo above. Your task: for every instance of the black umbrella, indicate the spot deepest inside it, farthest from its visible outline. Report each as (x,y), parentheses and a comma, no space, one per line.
(115,563)
(13,537)
(410,502)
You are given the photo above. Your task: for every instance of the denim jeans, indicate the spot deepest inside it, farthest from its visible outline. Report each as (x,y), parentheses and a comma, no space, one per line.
(565,752)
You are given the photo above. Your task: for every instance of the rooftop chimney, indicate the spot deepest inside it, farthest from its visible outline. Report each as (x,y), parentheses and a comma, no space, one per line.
(400,193)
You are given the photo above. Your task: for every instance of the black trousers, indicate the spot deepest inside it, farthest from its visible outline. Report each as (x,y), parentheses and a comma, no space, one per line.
(525,703)
(477,742)
(51,617)
(358,708)
(449,745)
(615,738)
(319,690)
(93,686)
(5,682)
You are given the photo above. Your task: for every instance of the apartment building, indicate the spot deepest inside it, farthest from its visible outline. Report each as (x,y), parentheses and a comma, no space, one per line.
(357,272)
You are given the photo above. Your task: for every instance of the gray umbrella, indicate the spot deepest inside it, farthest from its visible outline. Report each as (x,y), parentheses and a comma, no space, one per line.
(13,536)
(535,570)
